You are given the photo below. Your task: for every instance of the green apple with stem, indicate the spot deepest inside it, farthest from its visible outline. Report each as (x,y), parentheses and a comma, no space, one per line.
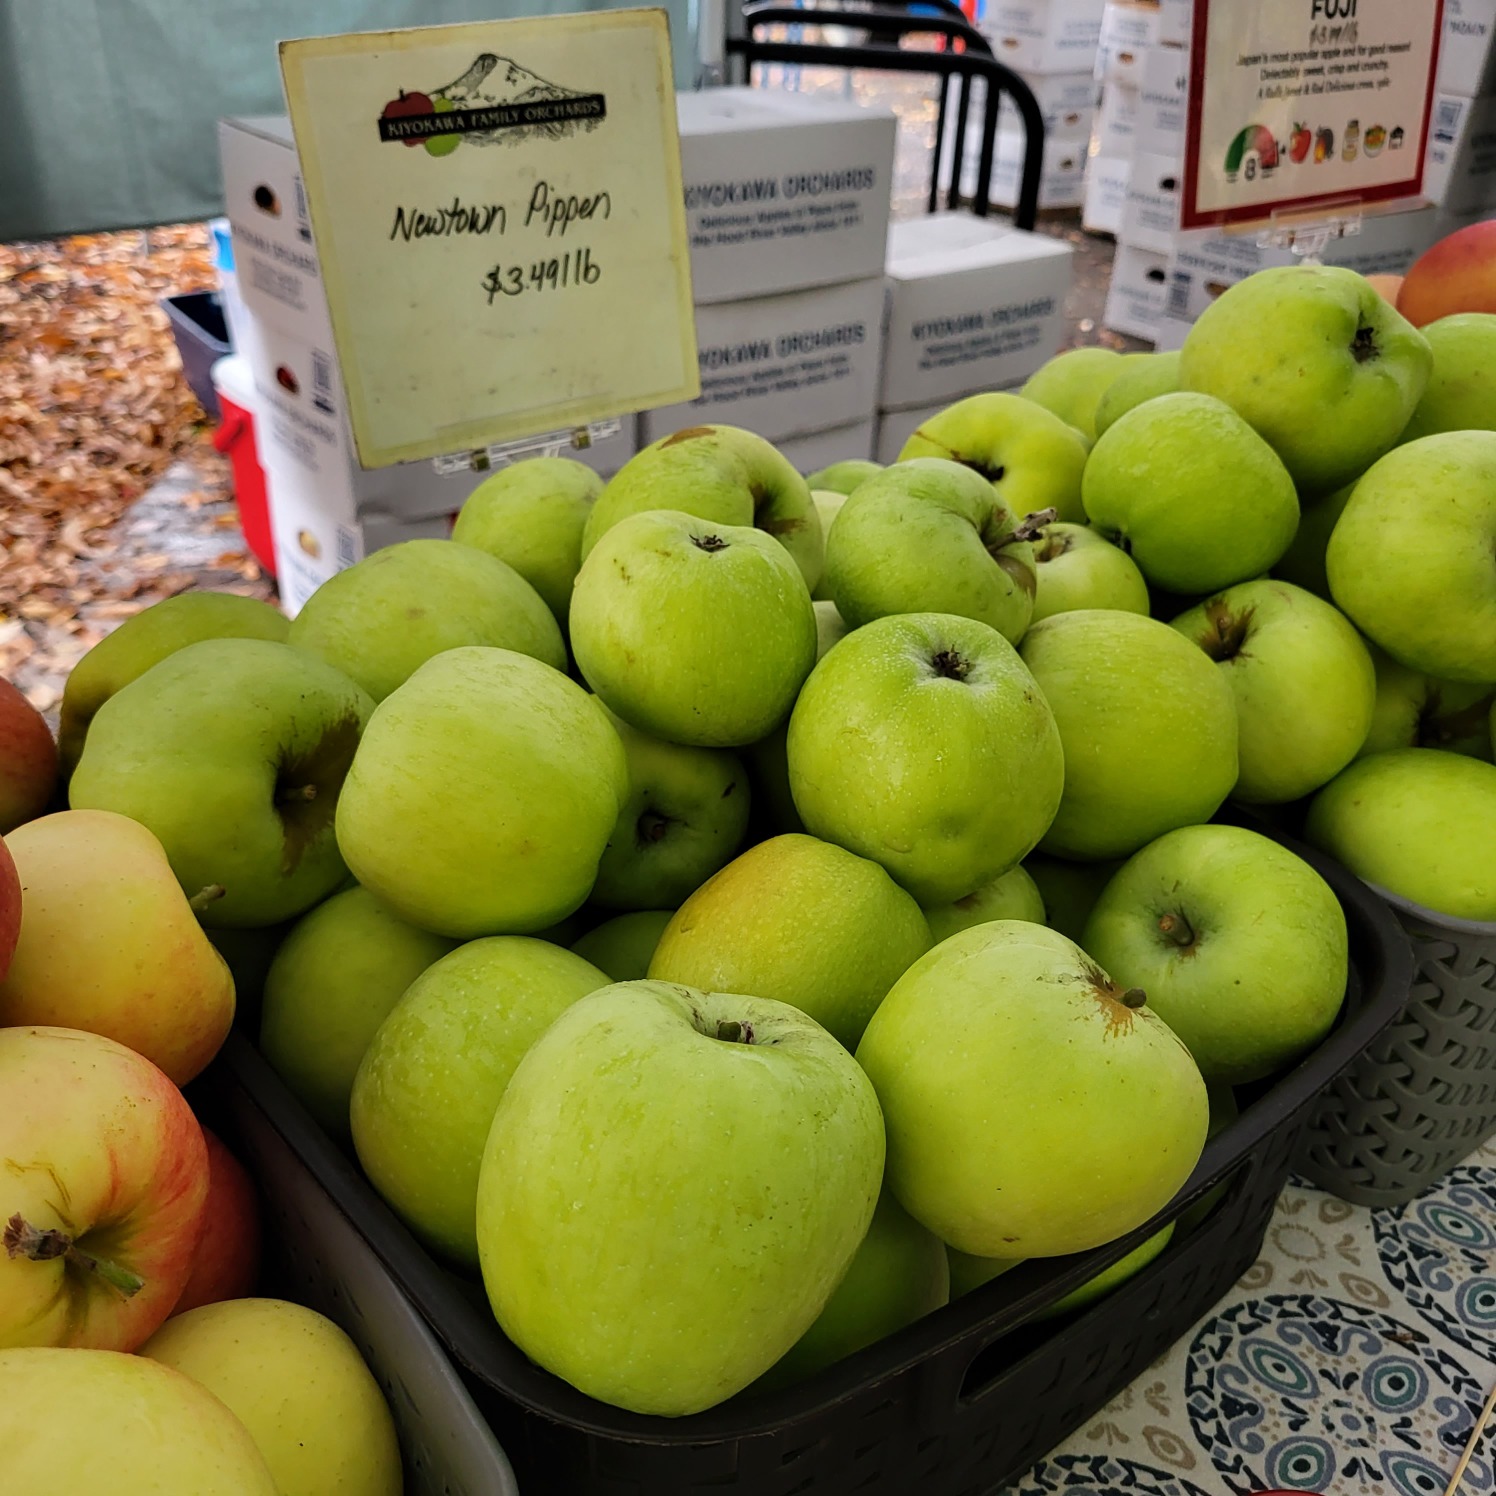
(1072,384)
(624,945)
(1075,567)
(1034,1107)
(1304,684)
(1144,376)
(771,1178)
(1240,945)
(923,743)
(1316,362)
(1458,394)
(1014,895)
(843,477)
(1413,710)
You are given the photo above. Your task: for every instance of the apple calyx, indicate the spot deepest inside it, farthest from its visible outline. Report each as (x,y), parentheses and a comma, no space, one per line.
(1177,930)
(651,827)
(711,544)
(1228,631)
(1364,345)
(43,1244)
(949,664)
(205,896)
(730,1031)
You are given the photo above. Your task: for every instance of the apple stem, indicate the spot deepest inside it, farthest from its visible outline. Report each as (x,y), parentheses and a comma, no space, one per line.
(1133,997)
(1032,527)
(39,1244)
(1176,929)
(200,900)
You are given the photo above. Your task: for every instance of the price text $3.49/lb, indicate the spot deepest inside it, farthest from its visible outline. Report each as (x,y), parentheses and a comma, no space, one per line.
(575,268)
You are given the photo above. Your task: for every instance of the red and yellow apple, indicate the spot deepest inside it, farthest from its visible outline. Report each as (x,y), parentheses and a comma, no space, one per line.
(10,908)
(227,1261)
(28,760)
(1458,274)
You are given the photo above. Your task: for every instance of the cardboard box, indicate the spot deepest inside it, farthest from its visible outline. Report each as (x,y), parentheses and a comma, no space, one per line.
(1066,100)
(1117,120)
(811,453)
(1136,295)
(1150,213)
(1105,193)
(1128,29)
(1460,168)
(895,427)
(784,365)
(1467,60)
(1162,102)
(783,191)
(1044,36)
(1061,179)
(1170,332)
(1175,18)
(973,304)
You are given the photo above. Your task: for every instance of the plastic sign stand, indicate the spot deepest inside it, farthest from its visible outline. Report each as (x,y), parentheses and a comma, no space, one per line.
(499,215)
(501,454)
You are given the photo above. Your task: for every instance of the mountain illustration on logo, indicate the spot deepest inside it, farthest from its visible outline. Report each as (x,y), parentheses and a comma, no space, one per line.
(495,102)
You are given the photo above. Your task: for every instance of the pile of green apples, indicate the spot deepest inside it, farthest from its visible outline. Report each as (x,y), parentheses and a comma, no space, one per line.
(734,913)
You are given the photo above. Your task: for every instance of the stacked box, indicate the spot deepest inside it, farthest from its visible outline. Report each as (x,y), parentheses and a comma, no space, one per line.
(1130,33)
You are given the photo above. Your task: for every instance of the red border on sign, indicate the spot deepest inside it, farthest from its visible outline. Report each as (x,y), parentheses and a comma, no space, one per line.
(1190,218)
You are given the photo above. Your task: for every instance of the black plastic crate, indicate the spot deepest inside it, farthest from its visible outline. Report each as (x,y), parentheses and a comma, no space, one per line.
(202,336)
(957,1404)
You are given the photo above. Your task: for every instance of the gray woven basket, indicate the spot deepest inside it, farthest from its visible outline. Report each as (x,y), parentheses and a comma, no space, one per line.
(1423,1096)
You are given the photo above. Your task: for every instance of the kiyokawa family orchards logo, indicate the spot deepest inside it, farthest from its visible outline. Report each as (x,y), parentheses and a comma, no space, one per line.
(496,102)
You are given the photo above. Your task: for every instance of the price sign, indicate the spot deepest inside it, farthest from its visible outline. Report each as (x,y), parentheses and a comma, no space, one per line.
(500,221)
(1305,106)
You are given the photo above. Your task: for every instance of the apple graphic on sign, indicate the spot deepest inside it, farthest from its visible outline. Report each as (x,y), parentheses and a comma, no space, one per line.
(408,103)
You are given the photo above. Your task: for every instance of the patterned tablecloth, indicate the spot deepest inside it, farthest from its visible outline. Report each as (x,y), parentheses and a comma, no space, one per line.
(1353,1358)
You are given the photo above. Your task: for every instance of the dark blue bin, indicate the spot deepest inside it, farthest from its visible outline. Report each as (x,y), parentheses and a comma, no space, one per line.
(202,335)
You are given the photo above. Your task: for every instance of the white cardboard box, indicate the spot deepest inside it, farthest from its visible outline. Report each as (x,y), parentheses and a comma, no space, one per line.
(1162,101)
(1150,214)
(1460,168)
(1128,29)
(784,365)
(1138,290)
(1115,132)
(1061,178)
(1169,335)
(1105,193)
(973,304)
(1467,60)
(1067,102)
(810,454)
(1044,36)
(783,191)
(1175,18)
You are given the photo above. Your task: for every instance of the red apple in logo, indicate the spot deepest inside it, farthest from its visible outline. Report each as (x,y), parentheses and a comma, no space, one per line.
(1299,142)
(228,1252)
(408,103)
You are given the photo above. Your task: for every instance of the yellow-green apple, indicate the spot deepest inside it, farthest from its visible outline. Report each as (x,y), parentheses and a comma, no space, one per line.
(1304,684)
(1417,711)
(770,1176)
(233,752)
(931,536)
(968,1272)
(1071,385)
(1458,396)
(1458,274)
(483,795)
(384,617)
(721,474)
(1069,890)
(300,1387)
(109,943)
(842,477)
(432,1077)
(831,627)
(86,1421)
(226,1260)
(1303,563)
(10,908)
(1148,726)
(800,921)
(101,1202)
(1191,493)
(1410,558)
(1032,459)
(28,760)
(1416,822)
(828,506)
(1316,363)
(922,743)
(531,515)
(1240,946)
(624,945)
(1014,895)
(899,1275)
(1144,376)
(145,640)
(696,632)
(1034,1106)
(685,815)
(1075,567)
(334,979)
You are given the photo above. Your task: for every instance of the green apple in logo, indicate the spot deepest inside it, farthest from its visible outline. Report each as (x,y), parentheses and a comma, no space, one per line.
(441,145)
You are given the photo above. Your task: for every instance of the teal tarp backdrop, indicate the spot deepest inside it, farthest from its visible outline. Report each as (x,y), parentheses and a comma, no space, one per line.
(109,108)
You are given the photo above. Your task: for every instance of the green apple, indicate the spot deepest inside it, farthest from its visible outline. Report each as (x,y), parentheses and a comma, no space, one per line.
(1071,385)
(1033,1106)
(721,474)
(1316,362)
(483,795)
(831,627)
(1148,726)
(696,632)
(337,974)
(685,816)
(1144,376)
(774,810)
(1417,711)
(1077,568)
(1014,895)
(922,743)
(531,515)
(800,921)
(1192,493)
(233,752)
(828,506)
(1303,563)
(624,945)
(899,1275)
(931,536)
(674,1185)
(1303,681)
(1069,890)
(145,640)
(1032,459)
(1416,822)
(300,1387)
(1458,394)
(441,145)
(968,1272)
(432,1077)
(1410,558)
(1240,946)
(384,617)
(842,477)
